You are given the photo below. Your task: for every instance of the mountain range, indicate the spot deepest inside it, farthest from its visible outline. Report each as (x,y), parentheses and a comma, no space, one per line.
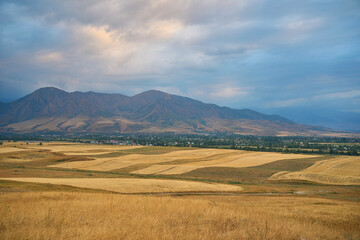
(52,110)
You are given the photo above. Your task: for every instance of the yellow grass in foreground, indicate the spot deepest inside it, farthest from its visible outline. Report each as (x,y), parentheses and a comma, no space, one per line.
(133,185)
(340,170)
(237,159)
(108,216)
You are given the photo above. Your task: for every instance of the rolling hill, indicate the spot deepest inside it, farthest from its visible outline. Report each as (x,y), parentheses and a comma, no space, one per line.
(51,110)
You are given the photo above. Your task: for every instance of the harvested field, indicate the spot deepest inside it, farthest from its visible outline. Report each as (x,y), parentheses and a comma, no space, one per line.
(251,159)
(89,153)
(133,185)
(166,169)
(16,160)
(101,164)
(11,149)
(237,159)
(29,156)
(338,171)
(82,148)
(107,164)
(178,162)
(48,193)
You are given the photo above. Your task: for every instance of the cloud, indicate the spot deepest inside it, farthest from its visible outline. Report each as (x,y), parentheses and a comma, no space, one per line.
(221,91)
(240,53)
(338,95)
(287,102)
(318,98)
(224,92)
(49,57)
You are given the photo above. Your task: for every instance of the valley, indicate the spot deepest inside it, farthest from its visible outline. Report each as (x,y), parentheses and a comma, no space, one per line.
(230,193)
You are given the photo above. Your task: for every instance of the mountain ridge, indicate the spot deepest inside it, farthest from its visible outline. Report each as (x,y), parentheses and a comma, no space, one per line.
(51,109)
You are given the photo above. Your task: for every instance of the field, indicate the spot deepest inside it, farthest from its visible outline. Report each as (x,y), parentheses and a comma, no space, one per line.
(65,190)
(230,158)
(178,162)
(341,171)
(111,216)
(133,185)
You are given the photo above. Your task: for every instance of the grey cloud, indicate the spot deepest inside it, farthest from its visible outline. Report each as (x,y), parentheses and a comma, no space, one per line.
(281,50)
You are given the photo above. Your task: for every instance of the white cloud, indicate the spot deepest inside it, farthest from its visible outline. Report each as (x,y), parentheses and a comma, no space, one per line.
(222,51)
(314,99)
(45,57)
(338,95)
(286,103)
(226,90)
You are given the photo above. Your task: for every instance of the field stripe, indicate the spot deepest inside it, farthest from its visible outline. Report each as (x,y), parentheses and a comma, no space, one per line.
(339,171)
(133,185)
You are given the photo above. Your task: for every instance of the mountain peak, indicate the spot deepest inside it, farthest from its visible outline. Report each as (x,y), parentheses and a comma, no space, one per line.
(49,90)
(53,110)
(152,95)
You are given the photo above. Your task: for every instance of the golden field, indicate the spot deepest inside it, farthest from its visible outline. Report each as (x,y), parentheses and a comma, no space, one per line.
(73,148)
(206,164)
(63,215)
(233,158)
(133,185)
(81,191)
(182,161)
(339,170)
(112,163)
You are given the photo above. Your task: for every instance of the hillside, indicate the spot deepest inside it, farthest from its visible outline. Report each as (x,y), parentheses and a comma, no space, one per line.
(51,110)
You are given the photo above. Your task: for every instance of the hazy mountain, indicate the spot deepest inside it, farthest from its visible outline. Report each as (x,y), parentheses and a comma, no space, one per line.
(331,118)
(54,110)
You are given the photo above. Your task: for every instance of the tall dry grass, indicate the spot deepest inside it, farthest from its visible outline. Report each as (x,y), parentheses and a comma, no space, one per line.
(110,216)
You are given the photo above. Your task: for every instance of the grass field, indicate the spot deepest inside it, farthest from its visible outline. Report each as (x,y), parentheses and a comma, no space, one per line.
(182,161)
(89,160)
(112,163)
(109,216)
(133,185)
(10,149)
(339,170)
(82,191)
(235,159)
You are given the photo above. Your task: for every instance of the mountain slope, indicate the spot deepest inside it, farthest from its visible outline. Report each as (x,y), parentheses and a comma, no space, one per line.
(54,110)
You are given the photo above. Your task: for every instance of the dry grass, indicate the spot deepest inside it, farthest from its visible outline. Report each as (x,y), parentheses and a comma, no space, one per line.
(19,157)
(237,159)
(79,215)
(81,148)
(6,149)
(166,169)
(107,164)
(133,185)
(108,216)
(180,161)
(88,153)
(340,171)
(254,159)
(64,147)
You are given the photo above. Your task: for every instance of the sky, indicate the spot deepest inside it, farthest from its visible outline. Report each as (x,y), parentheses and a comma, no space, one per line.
(258,54)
